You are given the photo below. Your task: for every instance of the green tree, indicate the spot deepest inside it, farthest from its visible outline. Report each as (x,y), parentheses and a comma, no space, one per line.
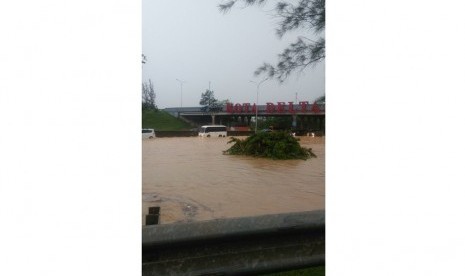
(321,99)
(306,14)
(148,96)
(210,103)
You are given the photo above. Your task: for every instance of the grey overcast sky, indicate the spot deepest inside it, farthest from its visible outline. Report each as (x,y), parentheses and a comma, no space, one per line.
(194,42)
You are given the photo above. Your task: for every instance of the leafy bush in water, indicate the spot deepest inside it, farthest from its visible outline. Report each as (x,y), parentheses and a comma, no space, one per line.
(275,145)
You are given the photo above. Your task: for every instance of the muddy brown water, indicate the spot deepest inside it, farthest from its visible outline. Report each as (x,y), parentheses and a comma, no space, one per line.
(192,180)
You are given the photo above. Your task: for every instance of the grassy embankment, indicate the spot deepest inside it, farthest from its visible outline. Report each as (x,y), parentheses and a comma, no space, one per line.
(161,120)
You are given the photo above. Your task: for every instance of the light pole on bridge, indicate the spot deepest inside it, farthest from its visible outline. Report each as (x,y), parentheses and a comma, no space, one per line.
(181,83)
(256,104)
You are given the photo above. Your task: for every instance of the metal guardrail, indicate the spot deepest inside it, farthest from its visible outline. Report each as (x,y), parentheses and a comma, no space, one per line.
(237,246)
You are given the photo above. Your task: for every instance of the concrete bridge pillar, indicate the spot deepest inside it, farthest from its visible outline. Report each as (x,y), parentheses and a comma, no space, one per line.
(306,122)
(213,119)
(294,121)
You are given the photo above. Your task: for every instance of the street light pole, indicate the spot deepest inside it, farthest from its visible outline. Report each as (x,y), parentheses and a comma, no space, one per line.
(181,82)
(256,104)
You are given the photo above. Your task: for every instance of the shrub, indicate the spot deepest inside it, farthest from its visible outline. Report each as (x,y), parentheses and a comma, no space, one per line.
(275,145)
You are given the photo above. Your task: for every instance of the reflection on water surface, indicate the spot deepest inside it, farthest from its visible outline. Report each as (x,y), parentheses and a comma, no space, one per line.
(191,180)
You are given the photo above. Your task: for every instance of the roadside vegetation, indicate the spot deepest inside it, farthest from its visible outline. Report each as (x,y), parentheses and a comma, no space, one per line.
(274,145)
(308,50)
(161,120)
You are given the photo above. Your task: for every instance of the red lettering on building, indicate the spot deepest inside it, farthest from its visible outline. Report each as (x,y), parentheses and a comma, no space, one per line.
(315,108)
(254,108)
(238,108)
(270,107)
(229,108)
(303,106)
(291,107)
(245,107)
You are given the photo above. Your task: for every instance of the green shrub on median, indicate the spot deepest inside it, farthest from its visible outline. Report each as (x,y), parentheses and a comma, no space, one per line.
(274,145)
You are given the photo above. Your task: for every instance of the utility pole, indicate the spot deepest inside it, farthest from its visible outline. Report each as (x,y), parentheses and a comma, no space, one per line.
(256,104)
(181,83)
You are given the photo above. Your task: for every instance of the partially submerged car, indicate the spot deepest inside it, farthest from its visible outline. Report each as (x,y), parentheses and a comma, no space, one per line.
(148,133)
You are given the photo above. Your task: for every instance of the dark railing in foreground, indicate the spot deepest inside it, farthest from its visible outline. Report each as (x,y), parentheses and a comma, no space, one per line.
(237,246)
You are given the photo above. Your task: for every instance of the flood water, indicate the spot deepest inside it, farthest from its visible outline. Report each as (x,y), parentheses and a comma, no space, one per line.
(192,180)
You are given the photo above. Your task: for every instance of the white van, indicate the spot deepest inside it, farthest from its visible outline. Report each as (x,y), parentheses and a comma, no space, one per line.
(148,133)
(213,131)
